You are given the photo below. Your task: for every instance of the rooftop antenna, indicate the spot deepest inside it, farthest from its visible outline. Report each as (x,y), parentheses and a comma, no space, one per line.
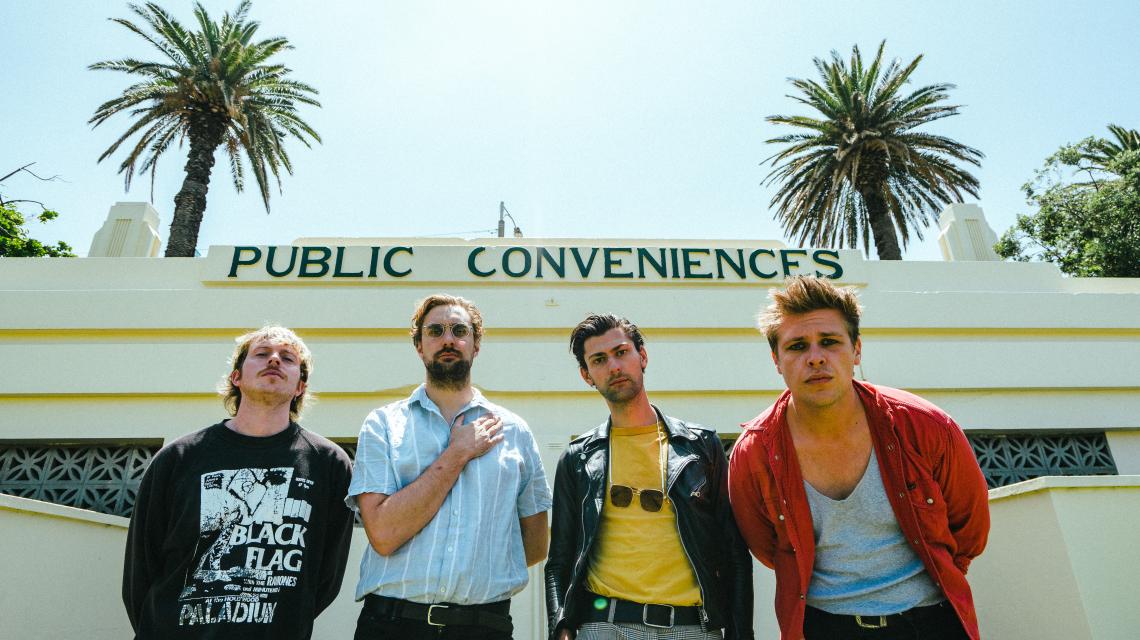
(503,224)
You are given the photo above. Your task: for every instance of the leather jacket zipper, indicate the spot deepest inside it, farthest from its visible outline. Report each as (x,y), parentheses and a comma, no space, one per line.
(692,565)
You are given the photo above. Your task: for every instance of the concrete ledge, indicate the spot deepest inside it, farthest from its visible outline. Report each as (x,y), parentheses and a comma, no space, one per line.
(1063,482)
(52,510)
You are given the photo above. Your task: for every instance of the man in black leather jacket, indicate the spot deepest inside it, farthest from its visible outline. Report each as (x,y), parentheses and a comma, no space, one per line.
(642,534)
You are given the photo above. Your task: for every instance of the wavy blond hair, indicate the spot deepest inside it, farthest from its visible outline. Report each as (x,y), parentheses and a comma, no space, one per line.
(231,394)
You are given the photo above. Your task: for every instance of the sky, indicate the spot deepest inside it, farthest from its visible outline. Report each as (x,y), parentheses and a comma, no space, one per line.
(611,119)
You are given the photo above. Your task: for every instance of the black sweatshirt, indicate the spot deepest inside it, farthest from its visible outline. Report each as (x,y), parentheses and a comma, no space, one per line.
(238,537)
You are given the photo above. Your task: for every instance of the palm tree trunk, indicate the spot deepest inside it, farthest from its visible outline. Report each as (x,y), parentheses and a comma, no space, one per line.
(879,219)
(190,203)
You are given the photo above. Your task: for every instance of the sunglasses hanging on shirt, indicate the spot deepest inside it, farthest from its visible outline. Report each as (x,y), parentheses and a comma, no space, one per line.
(651,499)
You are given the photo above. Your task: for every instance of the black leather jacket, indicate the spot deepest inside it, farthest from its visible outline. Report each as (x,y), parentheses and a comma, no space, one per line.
(697,477)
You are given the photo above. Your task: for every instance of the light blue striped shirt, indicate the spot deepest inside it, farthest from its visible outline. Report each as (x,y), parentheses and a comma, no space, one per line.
(471,552)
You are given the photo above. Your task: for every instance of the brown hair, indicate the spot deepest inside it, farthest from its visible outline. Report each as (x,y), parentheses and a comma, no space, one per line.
(804,294)
(595,325)
(439,299)
(231,394)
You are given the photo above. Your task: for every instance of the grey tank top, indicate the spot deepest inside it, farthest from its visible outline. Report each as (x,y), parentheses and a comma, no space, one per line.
(863,564)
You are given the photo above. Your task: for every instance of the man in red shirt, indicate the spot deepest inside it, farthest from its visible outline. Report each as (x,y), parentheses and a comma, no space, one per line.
(867,501)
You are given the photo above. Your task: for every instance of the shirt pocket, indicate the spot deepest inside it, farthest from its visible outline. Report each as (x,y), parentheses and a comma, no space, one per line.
(925,497)
(696,488)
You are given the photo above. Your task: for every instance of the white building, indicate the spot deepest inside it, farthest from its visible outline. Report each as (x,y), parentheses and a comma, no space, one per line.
(107,358)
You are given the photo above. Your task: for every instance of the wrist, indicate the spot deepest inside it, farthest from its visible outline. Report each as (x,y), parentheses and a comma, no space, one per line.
(453,458)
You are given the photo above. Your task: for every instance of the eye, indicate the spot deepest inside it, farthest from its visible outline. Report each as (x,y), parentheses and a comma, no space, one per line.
(827,342)
(621,352)
(460,330)
(797,346)
(598,360)
(434,330)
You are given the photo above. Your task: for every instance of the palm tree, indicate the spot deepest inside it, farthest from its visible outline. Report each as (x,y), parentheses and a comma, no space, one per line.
(1103,152)
(214,87)
(862,170)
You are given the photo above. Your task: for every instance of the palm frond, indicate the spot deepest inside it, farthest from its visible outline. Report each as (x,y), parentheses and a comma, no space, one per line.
(864,146)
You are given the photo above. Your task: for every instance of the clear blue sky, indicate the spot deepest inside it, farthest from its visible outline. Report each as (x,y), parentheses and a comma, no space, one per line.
(590,119)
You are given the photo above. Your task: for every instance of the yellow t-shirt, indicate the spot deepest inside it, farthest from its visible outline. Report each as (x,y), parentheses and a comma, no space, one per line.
(638,554)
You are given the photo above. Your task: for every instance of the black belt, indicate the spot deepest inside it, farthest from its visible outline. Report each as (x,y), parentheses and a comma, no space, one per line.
(662,616)
(910,617)
(493,615)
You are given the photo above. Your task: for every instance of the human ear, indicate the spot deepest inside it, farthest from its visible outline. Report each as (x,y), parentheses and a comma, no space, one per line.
(585,376)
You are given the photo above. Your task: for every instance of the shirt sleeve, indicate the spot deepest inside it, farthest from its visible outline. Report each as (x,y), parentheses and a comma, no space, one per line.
(143,557)
(748,503)
(534,492)
(967,497)
(373,471)
(339,535)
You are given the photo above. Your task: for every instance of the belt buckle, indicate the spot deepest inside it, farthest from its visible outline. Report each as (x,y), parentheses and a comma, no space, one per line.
(431,610)
(645,616)
(863,623)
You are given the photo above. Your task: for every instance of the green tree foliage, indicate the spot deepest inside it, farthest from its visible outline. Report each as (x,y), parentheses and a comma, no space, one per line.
(215,87)
(1101,152)
(1087,228)
(14,239)
(862,169)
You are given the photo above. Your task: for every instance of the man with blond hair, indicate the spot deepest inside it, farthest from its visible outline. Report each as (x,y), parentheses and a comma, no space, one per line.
(867,501)
(452,494)
(240,529)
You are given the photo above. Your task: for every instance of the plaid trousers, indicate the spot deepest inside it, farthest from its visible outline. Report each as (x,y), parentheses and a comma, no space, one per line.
(634,631)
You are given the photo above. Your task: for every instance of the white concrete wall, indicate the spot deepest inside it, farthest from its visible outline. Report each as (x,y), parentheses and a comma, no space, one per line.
(1061,560)
(102,349)
(62,570)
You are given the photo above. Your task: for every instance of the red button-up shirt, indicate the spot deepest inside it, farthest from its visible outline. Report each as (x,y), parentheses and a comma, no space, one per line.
(933,482)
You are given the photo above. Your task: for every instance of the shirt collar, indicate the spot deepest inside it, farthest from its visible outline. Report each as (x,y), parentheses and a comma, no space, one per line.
(420,396)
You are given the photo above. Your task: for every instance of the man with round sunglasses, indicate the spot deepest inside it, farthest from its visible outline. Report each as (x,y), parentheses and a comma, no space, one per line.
(643,544)
(452,494)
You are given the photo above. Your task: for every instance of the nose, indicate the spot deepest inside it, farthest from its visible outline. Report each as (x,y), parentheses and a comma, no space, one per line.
(815,355)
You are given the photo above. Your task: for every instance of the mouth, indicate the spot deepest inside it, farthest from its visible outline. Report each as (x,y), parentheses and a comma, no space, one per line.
(617,381)
(454,355)
(273,372)
(818,379)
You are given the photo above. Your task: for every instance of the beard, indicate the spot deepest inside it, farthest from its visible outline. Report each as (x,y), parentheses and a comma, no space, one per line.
(623,394)
(449,375)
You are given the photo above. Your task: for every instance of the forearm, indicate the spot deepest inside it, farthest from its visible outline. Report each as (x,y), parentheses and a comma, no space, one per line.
(535,537)
(390,521)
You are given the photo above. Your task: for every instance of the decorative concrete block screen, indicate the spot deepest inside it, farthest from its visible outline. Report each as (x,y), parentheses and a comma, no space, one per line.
(1006,459)
(99,478)
(106,478)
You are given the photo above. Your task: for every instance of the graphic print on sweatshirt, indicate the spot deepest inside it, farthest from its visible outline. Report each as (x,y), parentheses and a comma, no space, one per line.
(251,546)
